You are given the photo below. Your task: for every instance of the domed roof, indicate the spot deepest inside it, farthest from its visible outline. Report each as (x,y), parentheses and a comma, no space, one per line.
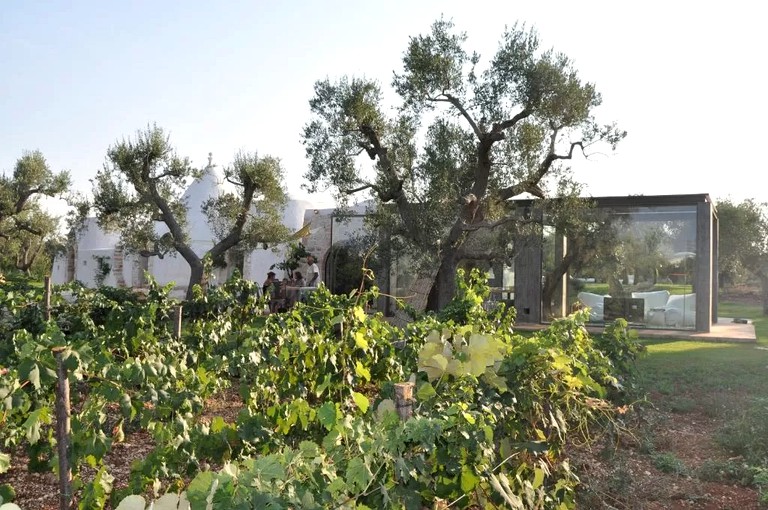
(92,237)
(211,184)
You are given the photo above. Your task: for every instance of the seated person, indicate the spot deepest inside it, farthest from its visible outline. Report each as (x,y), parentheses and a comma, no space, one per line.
(268,283)
(277,299)
(294,293)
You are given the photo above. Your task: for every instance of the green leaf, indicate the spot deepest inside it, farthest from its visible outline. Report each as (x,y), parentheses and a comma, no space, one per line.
(309,449)
(33,422)
(468,479)
(327,415)
(8,493)
(218,424)
(385,406)
(5,462)
(198,490)
(362,372)
(29,370)
(360,339)
(538,478)
(361,401)
(169,501)
(125,406)
(269,468)
(425,391)
(358,475)
(359,313)
(71,360)
(324,385)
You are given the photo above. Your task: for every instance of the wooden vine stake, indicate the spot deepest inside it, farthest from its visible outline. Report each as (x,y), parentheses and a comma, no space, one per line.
(177,323)
(404,399)
(62,430)
(47,299)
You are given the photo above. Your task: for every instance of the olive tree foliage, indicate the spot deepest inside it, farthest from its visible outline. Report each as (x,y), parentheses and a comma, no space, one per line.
(142,184)
(743,245)
(460,144)
(26,229)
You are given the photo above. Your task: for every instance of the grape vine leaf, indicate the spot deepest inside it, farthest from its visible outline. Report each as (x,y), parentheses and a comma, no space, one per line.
(132,502)
(358,475)
(468,479)
(360,339)
(199,489)
(36,418)
(269,468)
(361,401)
(362,372)
(30,371)
(425,392)
(327,415)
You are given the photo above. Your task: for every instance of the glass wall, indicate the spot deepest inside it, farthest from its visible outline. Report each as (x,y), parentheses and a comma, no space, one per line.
(637,263)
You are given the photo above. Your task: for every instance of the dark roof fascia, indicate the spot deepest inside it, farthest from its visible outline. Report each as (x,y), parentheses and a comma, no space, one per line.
(639,200)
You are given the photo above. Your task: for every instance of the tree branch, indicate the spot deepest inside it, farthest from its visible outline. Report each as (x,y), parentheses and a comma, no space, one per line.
(449,98)
(173,226)
(234,182)
(468,254)
(27,227)
(235,235)
(355,190)
(490,225)
(497,131)
(23,197)
(163,175)
(531,185)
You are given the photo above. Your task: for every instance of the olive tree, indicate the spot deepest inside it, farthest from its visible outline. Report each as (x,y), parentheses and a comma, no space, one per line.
(27,230)
(462,141)
(142,184)
(743,244)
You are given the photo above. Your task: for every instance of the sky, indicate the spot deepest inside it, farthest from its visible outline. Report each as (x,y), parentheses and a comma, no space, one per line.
(683,78)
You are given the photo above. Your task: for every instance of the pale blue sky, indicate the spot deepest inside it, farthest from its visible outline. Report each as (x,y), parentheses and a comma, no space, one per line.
(685,79)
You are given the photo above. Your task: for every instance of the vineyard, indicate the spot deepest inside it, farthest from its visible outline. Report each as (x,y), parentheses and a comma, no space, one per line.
(338,408)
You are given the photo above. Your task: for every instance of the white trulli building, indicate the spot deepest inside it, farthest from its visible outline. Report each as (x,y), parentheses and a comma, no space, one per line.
(97,258)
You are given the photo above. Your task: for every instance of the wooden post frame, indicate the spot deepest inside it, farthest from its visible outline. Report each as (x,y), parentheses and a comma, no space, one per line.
(177,322)
(404,399)
(47,299)
(63,430)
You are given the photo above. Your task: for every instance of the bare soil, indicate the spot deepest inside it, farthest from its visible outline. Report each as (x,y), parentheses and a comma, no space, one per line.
(619,472)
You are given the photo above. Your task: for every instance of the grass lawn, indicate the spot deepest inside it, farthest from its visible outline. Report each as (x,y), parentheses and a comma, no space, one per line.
(706,366)
(699,434)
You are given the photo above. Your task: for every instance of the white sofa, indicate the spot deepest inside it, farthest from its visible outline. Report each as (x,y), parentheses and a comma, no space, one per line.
(595,303)
(661,308)
(668,310)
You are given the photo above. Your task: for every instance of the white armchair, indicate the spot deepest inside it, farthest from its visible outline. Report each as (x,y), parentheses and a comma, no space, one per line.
(680,311)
